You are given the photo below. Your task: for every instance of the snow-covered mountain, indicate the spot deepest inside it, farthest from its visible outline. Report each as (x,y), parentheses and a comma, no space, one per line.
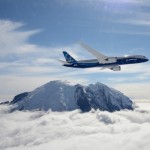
(62,96)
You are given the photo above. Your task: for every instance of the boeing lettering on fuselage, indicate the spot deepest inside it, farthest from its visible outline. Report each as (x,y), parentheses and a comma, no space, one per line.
(102,60)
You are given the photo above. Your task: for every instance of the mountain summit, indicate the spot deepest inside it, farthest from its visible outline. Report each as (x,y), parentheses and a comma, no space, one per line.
(62,96)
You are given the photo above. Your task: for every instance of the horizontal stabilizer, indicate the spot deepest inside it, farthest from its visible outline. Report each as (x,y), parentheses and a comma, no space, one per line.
(62,61)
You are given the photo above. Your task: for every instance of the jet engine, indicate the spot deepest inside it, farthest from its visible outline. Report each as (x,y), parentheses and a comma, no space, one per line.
(116,68)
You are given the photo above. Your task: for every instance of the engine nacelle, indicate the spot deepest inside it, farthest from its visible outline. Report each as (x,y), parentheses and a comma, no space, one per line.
(116,68)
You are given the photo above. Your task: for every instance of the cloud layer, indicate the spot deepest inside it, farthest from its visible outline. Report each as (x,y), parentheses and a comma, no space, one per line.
(75,130)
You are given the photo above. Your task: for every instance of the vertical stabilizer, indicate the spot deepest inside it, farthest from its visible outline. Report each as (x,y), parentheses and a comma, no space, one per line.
(69,58)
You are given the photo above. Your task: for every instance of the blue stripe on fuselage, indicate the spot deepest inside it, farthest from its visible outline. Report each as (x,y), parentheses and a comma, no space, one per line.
(95,63)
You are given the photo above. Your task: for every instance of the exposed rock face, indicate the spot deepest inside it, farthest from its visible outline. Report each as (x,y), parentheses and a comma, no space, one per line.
(19,97)
(62,96)
(4,103)
(99,96)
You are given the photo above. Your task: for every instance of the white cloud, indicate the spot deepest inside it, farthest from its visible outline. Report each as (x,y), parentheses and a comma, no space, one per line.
(137,91)
(14,41)
(132,15)
(25,66)
(141,70)
(123,16)
(13,85)
(75,130)
(136,22)
(95,2)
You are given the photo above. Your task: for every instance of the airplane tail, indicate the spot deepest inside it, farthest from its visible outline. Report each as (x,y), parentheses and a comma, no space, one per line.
(69,58)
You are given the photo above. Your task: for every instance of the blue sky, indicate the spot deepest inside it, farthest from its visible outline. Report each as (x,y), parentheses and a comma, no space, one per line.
(34,33)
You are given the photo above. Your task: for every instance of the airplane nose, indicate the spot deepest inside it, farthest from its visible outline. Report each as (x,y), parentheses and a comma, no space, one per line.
(147,59)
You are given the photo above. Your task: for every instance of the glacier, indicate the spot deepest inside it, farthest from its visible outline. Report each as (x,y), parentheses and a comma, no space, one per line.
(63,96)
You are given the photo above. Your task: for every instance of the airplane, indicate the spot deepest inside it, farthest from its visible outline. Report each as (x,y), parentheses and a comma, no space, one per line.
(102,61)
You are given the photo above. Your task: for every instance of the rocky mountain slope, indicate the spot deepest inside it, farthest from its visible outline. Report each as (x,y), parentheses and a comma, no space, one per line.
(62,96)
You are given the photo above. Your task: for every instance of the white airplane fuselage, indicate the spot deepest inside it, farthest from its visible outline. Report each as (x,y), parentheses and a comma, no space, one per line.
(102,60)
(114,61)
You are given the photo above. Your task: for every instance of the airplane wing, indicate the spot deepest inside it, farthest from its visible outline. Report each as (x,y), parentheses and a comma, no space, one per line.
(101,58)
